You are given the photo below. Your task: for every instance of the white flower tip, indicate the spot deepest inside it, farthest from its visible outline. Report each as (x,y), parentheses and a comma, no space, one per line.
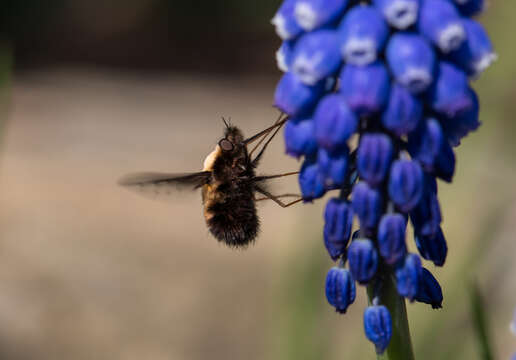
(451,37)
(359,51)
(279,23)
(306,68)
(281,60)
(484,62)
(305,15)
(416,79)
(401,14)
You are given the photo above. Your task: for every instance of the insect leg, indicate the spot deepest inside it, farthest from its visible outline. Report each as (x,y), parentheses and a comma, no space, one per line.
(268,177)
(279,197)
(275,198)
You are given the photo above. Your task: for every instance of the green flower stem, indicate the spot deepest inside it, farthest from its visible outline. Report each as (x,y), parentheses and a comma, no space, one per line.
(400,346)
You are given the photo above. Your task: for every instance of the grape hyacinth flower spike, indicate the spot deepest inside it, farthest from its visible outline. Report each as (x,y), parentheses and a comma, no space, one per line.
(378,95)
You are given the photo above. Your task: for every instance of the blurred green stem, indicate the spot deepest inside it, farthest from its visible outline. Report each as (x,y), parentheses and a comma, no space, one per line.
(480,322)
(400,346)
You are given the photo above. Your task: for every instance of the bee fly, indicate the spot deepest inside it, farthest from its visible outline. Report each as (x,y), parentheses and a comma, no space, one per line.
(229,185)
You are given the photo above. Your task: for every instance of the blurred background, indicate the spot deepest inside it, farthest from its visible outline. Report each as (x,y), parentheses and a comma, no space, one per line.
(90,90)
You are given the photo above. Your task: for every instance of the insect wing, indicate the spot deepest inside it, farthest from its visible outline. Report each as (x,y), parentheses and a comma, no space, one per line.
(156,185)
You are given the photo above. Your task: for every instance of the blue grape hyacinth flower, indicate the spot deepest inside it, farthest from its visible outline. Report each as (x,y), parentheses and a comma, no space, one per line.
(378,95)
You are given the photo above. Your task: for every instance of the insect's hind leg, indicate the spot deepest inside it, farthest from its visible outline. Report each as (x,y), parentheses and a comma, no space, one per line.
(276,199)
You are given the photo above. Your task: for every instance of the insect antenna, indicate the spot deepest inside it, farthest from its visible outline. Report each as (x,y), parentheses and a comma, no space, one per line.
(227,123)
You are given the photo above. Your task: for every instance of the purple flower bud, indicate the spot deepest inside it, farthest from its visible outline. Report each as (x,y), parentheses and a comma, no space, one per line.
(316,56)
(391,238)
(284,55)
(403,111)
(299,137)
(295,98)
(425,143)
(400,14)
(363,260)
(333,167)
(365,88)
(445,163)
(378,326)
(411,60)
(284,21)
(429,291)
(457,127)
(334,122)
(440,22)
(313,14)
(311,181)
(363,34)
(340,289)
(367,204)
(408,277)
(374,158)
(470,7)
(405,184)
(433,248)
(450,94)
(426,216)
(338,220)
(476,53)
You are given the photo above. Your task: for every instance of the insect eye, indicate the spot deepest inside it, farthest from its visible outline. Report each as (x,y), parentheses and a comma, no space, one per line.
(226,145)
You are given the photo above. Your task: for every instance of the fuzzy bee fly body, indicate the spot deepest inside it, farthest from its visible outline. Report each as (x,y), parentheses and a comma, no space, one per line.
(229,185)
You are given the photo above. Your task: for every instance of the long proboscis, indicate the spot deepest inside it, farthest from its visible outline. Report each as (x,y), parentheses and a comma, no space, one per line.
(263,132)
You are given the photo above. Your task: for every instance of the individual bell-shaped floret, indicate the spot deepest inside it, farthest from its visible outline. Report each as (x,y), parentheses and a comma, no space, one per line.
(440,22)
(316,56)
(405,184)
(313,14)
(300,138)
(470,7)
(338,220)
(408,276)
(363,34)
(363,260)
(400,14)
(334,122)
(367,205)
(459,126)
(450,95)
(333,167)
(411,60)
(433,248)
(476,53)
(391,238)
(403,112)
(365,88)
(340,289)
(284,55)
(374,158)
(295,98)
(378,326)
(311,181)
(429,291)
(285,23)
(426,216)
(445,162)
(425,143)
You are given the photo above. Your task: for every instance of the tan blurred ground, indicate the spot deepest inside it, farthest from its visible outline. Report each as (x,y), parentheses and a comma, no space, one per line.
(90,270)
